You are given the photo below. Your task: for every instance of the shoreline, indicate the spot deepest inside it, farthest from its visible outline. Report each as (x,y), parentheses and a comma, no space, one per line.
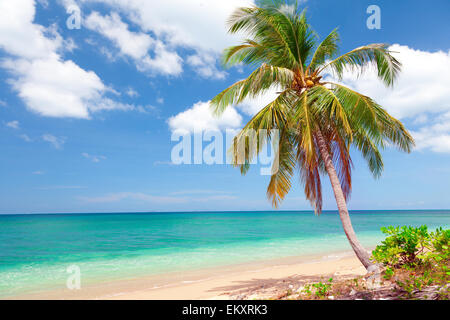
(224,283)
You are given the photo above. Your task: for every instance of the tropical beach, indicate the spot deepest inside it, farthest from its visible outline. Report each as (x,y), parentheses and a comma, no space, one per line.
(184,255)
(259,150)
(251,281)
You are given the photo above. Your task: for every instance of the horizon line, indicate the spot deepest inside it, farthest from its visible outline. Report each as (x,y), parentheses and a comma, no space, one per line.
(206,212)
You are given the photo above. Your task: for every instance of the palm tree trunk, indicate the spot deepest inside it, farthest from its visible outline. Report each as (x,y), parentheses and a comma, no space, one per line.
(360,252)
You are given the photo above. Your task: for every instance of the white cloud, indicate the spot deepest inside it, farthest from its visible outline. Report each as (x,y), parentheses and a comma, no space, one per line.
(3,103)
(205,65)
(56,142)
(20,37)
(132,93)
(200,117)
(38,173)
(421,87)
(47,84)
(175,25)
(13,124)
(251,106)
(420,95)
(435,136)
(188,23)
(95,159)
(136,45)
(55,88)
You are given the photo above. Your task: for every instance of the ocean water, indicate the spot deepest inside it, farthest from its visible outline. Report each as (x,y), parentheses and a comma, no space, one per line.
(36,250)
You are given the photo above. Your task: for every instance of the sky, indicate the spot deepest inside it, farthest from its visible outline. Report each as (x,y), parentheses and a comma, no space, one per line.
(87,114)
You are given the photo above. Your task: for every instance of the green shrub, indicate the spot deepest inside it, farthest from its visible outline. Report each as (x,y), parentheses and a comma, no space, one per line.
(318,290)
(415,258)
(322,289)
(440,241)
(388,273)
(403,246)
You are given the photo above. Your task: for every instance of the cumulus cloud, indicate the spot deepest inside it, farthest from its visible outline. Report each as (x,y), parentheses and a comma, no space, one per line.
(55,88)
(49,85)
(204,65)
(136,45)
(200,117)
(420,96)
(20,37)
(421,87)
(435,136)
(186,23)
(174,25)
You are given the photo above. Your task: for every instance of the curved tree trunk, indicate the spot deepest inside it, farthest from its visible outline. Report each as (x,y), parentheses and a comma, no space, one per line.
(360,252)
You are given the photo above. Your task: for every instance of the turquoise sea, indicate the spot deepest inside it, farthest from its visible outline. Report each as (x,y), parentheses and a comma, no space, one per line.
(36,250)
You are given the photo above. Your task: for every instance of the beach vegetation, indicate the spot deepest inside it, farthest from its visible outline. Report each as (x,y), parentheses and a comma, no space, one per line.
(416,265)
(415,258)
(403,246)
(319,290)
(323,289)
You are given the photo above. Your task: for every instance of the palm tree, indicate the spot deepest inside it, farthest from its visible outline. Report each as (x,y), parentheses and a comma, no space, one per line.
(318,120)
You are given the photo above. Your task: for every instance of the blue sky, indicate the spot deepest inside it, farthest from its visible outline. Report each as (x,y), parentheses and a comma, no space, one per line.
(86,114)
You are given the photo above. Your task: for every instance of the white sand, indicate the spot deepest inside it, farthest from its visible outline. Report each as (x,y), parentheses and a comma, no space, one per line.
(261,279)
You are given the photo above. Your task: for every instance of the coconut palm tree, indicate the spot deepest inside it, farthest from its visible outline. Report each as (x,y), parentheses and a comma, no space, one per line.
(318,120)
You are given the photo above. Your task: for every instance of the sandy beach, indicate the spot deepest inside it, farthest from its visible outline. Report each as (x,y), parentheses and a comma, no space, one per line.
(261,280)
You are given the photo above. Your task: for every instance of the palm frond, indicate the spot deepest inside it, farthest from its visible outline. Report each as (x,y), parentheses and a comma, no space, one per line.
(365,114)
(261,80)
(304,116)
(280,181)
(328,102)
(275,116)
(369,151)
(325,50)
(360,59)
(283,33)
(310,178)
